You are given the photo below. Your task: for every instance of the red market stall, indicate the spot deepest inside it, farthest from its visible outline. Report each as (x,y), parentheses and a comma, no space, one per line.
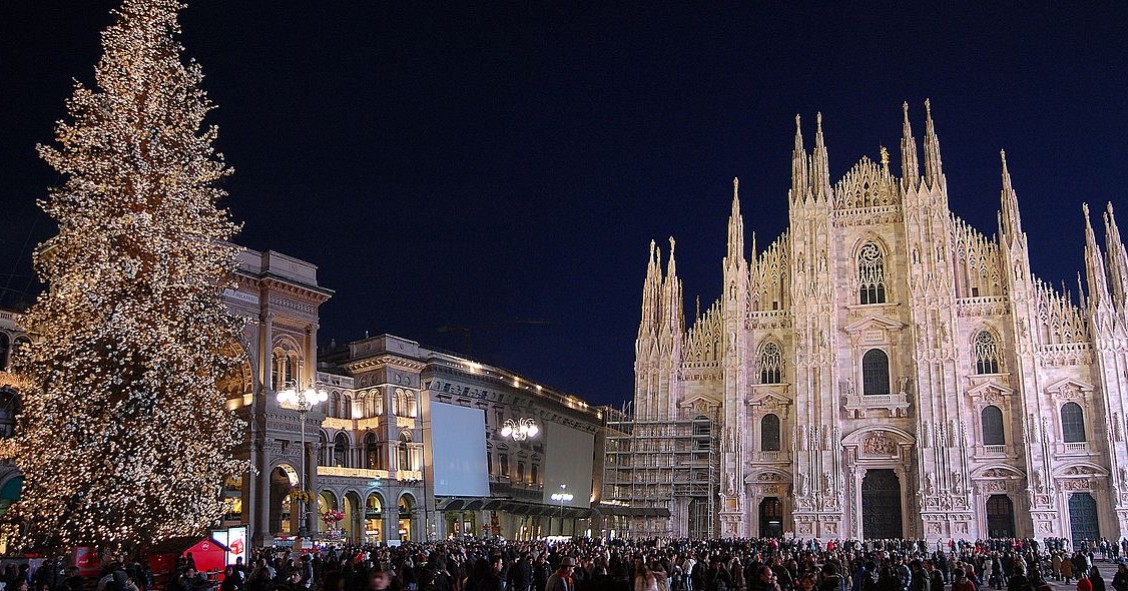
(209,555)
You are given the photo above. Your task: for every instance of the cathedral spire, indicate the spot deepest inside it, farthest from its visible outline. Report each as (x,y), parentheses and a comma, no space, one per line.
(799,181)
(1094,264)
(1117,260)
(933,169)
(651,293)
(820,169)
(673,315)
(1010,222)
(910,169)
(736,228)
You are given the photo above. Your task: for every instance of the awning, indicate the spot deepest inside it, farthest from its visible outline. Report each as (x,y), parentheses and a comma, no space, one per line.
(474,505)
(491,505)
(453,505)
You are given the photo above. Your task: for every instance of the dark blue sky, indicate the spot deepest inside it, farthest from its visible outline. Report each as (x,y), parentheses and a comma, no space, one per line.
(480,165)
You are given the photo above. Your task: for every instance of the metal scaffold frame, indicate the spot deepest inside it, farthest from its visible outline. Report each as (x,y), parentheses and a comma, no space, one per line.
(651,466)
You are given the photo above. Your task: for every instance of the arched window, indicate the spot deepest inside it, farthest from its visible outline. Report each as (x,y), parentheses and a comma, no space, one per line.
(986,353)
(769,433)
(372,452)
(1072,423)
(341,450)
(871,275)
(411,409)
(992,422)
(771,364)
(334,405)
(284,368)
(9,408)
(875,373)
(405,451)
(5,347)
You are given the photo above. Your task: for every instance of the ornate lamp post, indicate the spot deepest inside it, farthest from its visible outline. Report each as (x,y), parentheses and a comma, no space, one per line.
(564,497)
(303,401)
(519,430)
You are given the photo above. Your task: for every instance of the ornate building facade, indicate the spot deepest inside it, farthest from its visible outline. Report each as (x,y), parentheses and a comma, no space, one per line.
(882,369)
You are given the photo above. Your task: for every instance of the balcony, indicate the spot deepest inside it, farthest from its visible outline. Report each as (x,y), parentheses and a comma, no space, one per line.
(369,423)
(338,424)
(409,475)
(995,449)
(1081,447)
(351,472)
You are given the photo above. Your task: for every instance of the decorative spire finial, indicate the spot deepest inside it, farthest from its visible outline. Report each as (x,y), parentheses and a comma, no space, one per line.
(884,158)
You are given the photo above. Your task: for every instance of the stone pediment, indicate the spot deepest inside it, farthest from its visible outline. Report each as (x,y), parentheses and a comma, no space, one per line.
(770,398)
(1085,470)
(768,477)
(883,323)
(699,403)
(997,472)
(989,391)
(1069,389)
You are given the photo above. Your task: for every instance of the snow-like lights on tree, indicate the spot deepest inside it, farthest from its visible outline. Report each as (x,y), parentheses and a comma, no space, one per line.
(124,438)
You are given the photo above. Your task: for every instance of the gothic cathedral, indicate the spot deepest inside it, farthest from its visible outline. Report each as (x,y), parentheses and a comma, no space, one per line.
(884,370)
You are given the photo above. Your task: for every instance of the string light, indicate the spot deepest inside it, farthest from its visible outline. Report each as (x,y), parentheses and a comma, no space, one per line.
(124,437)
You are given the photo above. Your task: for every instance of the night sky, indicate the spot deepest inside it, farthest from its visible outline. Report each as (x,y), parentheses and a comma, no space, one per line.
(500,169)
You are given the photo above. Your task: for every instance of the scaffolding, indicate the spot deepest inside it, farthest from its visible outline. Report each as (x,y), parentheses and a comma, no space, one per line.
(664,473)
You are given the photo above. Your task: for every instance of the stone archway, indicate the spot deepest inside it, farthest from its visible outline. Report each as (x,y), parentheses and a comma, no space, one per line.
(353,523)
(284,516)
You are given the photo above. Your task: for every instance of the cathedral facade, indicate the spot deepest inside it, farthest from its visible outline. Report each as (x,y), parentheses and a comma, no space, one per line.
(884,370)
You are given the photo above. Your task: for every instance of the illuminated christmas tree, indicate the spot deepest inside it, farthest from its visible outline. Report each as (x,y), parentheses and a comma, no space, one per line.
(124,437)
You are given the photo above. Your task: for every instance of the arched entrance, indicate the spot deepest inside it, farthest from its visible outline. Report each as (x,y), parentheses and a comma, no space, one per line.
(406,508)
(1083,518)
(700,518)
(283,512)
(327,505)
(1000,517)
(351,524)
(374,518)
(881,505)
(233,499)
(771,518)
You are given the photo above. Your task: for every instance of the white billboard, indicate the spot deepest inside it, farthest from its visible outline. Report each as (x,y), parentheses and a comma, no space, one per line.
(458,448)
(569,461)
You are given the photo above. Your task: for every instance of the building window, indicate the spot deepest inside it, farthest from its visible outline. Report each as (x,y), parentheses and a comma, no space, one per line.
(340,450)
(500,417)
(372,451)
(769,433)
(871,275)
(9,409)
(520,471)
(1072,423)
(533,478)
(875,373)
(503,462)
(489,462)
(405,451)
(986,353)
(334,404)
(992,422)
(5,346)
(771,364)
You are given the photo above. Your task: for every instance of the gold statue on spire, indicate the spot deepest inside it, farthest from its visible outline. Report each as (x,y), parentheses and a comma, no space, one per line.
(885,159)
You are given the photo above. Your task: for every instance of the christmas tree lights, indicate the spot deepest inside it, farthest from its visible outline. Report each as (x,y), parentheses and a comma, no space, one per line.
(124,438)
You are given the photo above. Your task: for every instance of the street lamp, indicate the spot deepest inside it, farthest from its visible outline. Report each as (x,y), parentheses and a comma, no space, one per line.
(303,401)
(564,497)
(519,430)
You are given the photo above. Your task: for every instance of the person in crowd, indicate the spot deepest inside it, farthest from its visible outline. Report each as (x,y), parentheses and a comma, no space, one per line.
(561,580)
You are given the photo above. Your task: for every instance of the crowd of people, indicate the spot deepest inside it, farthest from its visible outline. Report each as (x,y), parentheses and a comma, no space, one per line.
(683,565)
(657,564)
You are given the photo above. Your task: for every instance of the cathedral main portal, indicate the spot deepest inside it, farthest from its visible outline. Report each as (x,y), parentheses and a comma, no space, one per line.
(881,505)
